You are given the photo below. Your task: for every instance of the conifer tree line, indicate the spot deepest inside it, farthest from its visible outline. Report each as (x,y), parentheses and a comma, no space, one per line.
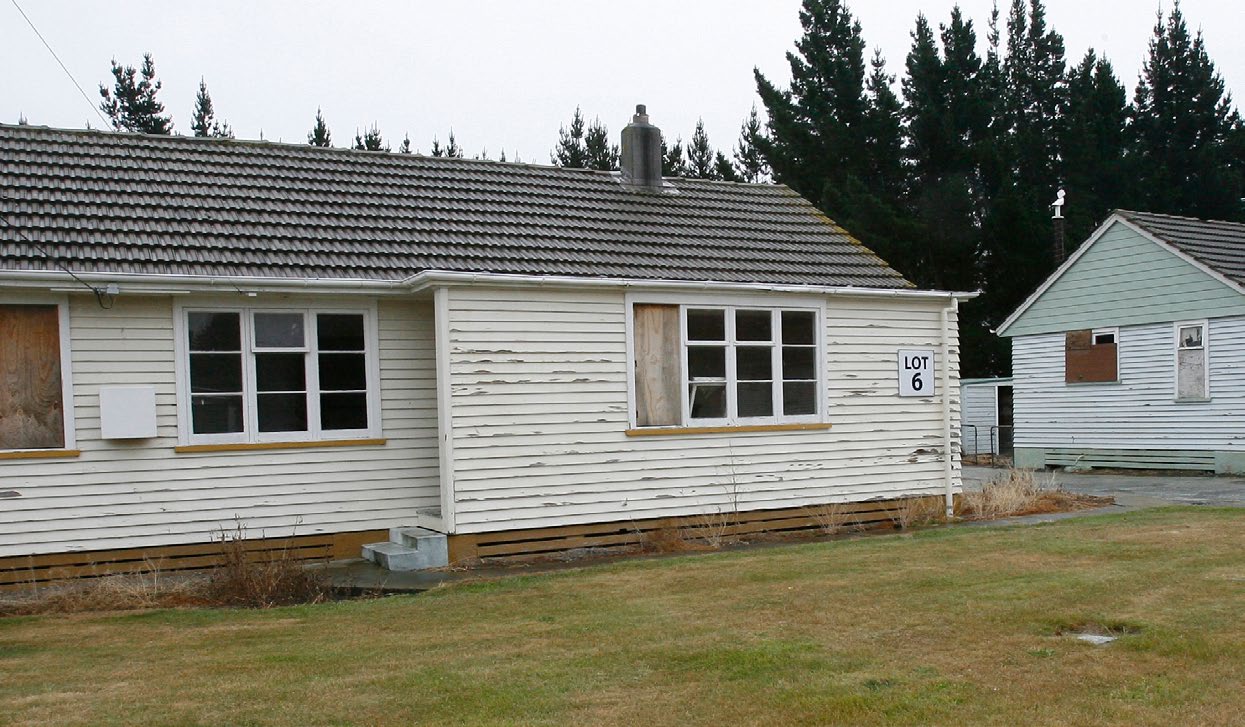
(945,166)
(951,179)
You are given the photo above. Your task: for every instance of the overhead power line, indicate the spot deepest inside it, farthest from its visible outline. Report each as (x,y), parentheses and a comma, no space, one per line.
(62,65)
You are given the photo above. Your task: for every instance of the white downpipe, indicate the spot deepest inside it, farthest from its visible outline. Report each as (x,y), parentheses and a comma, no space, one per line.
(947,443)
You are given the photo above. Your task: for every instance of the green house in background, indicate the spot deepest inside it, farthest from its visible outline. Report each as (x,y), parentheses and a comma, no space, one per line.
(1132,353)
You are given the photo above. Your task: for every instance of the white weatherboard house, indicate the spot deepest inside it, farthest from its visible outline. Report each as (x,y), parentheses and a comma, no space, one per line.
(1130,354)
(986,406)
(326,342)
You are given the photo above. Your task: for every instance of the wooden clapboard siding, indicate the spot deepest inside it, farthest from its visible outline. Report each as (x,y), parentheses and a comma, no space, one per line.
(31,406)
(1127,280)
(1139,412)
(539,394)
(143,494)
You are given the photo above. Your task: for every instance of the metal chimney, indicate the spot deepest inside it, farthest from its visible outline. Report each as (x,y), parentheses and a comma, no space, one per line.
(640,156)
(1058,219)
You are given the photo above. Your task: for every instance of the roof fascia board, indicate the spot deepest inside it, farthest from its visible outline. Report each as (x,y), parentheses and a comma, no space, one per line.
(1084,248)
(435,278)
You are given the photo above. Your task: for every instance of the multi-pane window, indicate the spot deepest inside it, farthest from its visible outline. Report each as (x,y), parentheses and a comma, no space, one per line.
(272,375)
(1191,380)
(750,364)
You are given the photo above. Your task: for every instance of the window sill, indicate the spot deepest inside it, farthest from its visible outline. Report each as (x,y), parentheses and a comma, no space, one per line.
(1191,400)
(738,429)
(41,454)
(260,446)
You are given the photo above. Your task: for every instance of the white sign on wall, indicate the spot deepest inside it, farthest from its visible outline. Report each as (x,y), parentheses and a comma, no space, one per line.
(916,372)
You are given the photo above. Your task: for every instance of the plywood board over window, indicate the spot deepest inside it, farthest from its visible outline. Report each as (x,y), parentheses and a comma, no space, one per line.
(1090,357)
(657,374)
(32,410)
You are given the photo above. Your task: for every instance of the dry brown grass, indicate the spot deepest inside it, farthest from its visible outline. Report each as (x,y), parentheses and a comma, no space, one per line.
(242,579)
(835,518)
(913,511)
(1019,492)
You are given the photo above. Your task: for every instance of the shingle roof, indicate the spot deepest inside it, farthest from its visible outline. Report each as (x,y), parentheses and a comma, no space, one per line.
(1219,246)
(127,203)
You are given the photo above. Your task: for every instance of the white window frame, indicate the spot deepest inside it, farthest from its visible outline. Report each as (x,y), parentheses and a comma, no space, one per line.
(1177,348)
(1115,333)
(310,350)
(67,403)
(729,304)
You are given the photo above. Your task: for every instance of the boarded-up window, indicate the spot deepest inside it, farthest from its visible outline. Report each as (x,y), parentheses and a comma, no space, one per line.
(657,366)
(32,412)
(1191,361)
(1090,356)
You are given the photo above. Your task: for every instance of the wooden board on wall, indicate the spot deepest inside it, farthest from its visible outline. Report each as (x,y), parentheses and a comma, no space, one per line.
(31,405)
(657,370)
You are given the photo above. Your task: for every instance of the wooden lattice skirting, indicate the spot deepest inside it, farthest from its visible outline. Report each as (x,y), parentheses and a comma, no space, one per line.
(622,536)
(32,570)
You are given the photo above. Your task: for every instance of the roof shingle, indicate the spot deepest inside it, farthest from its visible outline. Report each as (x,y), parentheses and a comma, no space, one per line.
(127,203)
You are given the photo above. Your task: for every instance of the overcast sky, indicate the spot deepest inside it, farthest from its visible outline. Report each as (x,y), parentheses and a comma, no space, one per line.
(501,73)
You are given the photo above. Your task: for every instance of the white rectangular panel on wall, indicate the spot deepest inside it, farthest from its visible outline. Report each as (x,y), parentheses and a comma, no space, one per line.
(127,412)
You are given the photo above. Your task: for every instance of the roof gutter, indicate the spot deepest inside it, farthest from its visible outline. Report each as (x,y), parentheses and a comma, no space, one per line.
(434,278)
(169,284)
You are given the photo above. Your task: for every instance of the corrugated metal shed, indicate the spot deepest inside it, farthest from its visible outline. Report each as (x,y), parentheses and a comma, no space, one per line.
(128,203)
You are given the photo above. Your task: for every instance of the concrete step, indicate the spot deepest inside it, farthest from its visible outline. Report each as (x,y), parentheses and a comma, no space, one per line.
(409,549)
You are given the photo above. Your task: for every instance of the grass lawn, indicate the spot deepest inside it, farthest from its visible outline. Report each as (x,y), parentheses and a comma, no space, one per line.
(941,627)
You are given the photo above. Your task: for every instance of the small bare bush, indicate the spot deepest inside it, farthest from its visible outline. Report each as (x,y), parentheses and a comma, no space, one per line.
(834,518)
(262,579)
(912,511)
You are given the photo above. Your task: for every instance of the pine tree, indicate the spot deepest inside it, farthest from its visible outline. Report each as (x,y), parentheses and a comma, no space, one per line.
(571,150)
(815,142)
(405,146)
(132,104)
(450,150)
(319,134)
(204,121)
(700,159)
(882,132)
(371,140)
(598,152)
(1093,146)
(1183,125)
(723,169)
(672,161)
(749,162)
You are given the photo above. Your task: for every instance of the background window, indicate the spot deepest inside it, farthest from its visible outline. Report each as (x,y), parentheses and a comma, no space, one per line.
(32,411)
(1191,382)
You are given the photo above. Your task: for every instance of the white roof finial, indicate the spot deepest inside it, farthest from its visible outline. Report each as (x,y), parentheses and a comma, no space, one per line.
(1058,205)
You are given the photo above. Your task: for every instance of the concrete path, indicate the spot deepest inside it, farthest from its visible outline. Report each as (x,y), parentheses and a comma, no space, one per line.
(1140,490)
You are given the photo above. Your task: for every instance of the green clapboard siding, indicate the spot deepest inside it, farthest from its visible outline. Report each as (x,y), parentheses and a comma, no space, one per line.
(1126,280)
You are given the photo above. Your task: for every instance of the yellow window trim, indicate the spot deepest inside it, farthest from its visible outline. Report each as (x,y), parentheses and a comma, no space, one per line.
(41,454)
(740,429)
(259,446)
